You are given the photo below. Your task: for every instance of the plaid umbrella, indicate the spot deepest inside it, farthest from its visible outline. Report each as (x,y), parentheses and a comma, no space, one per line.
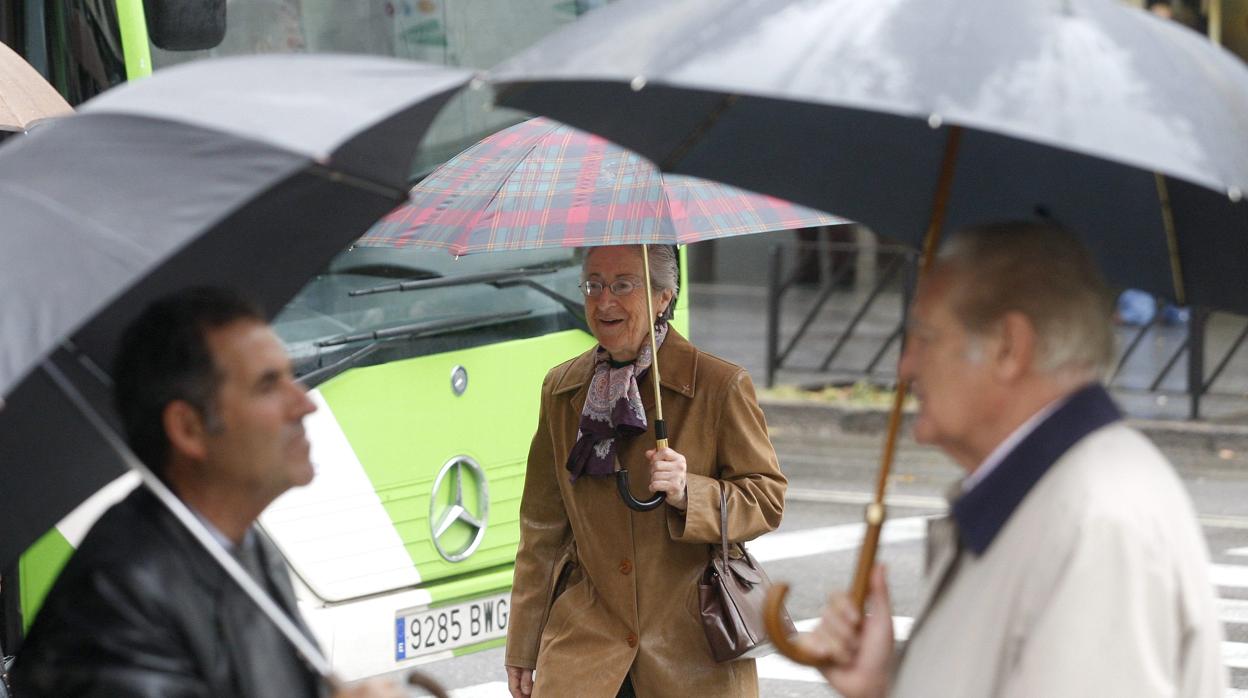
(542,184)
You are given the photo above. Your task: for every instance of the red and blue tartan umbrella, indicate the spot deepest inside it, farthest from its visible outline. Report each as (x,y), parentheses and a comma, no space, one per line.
(543,184)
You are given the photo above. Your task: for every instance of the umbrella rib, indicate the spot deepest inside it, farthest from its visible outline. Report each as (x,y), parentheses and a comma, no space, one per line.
(695,135)
(338,176)
(464,238)
(1172,243)
(121,247)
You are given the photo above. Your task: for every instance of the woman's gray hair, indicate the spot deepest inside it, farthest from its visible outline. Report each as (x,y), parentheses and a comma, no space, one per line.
(1046,274)
(664,272)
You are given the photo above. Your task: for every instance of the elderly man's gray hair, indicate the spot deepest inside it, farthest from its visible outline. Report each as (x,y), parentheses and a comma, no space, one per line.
(664,272)
(1046,274)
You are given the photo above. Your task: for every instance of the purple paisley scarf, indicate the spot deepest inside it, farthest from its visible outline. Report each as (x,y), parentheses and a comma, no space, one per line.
(612,410)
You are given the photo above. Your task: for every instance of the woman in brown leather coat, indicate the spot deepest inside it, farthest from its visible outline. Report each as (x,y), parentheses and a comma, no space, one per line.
(605,598)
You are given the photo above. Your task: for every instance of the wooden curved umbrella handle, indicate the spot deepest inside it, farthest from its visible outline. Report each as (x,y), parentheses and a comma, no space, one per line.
(434,688)
(772,613)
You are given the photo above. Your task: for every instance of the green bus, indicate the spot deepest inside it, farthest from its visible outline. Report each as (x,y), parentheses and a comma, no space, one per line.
(402,549)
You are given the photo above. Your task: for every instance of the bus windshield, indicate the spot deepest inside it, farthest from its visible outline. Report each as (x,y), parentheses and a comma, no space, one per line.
(327,329)
(353,314)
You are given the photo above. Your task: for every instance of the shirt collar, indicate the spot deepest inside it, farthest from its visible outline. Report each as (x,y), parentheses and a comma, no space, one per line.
(983,510)
(1003,449)
(220,537)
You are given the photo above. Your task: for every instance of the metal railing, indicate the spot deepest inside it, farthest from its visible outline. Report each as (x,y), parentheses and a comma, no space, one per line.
(893,284)
(811,326)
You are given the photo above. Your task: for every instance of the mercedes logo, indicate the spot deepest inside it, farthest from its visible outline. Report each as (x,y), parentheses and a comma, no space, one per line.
(448,508)
(459,380)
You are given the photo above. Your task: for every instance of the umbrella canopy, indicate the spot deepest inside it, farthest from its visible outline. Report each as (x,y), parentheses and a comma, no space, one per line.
(543,184)
(247,172)
(25,97)
(1068,109)
(1092,114)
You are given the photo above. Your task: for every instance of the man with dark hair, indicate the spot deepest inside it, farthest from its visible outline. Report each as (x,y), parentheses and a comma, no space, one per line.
(1072,562)
(209,403)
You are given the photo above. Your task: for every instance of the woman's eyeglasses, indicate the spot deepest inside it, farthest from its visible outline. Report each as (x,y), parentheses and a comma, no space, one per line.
(619,287)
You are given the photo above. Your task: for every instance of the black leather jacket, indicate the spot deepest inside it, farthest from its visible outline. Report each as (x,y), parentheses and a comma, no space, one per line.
(142,610)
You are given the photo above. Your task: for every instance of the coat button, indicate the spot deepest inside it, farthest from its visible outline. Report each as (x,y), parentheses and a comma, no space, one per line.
(626,566)
(631,640)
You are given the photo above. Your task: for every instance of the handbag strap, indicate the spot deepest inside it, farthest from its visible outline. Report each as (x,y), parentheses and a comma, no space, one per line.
(723,522)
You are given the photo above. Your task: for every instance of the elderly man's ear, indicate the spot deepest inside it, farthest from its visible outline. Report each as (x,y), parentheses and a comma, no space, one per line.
(185,427)
(1016,347)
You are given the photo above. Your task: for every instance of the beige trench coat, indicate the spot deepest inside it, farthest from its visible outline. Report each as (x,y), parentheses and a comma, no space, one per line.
(1096,587)
(627,581)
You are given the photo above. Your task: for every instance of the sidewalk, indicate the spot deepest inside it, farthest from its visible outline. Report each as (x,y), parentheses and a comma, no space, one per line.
(815,417)
(731,321)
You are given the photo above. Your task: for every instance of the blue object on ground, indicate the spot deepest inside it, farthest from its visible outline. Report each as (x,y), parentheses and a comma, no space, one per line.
(1174,315)
(1136,308)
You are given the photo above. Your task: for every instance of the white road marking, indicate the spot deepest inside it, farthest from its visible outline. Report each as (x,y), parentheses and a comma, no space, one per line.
(1235,654)
(493,689)
(1233,610)
(1235,576)
(831,539)
(777,668)
(913,501)
(1220,521)
(1241,552)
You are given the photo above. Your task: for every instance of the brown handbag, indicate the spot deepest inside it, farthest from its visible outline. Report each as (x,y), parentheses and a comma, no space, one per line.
(731,594)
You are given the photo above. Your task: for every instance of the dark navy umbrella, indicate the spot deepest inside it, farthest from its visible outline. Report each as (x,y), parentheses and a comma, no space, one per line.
(1068,109)
(909,115)
(246,172)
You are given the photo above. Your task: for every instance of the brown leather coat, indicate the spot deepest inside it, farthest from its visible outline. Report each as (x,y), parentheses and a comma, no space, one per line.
(602,591)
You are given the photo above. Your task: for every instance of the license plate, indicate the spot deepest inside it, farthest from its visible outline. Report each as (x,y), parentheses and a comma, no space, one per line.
(426,631)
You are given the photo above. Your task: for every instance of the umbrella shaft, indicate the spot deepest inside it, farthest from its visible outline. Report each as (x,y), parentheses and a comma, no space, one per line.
(654,347)
(875,510)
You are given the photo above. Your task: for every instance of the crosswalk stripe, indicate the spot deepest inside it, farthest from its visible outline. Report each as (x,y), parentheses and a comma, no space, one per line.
(940,505)
(798,494)
(1221,521)
(1235,654)
(1240,552)
(493,689)
(777,668)
(1235,576)
(830,539)
(1233,610)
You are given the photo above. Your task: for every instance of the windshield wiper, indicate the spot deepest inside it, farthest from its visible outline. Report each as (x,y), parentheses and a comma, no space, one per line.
(419,328)
(379,338)
(575,309)
(498,279)
(487,277)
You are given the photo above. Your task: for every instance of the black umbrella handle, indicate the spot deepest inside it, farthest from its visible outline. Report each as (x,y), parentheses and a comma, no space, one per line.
(621,477)
(621,481)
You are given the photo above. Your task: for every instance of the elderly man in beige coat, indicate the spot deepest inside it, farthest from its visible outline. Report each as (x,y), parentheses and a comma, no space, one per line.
(1071,563)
